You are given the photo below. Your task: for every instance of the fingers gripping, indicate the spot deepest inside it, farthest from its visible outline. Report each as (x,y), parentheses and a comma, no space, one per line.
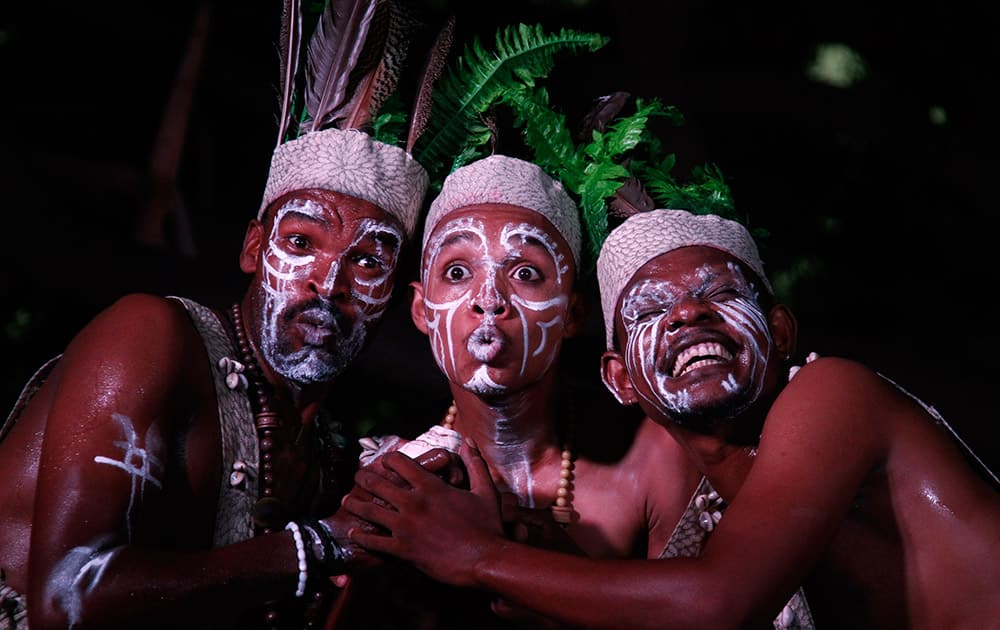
(480,481)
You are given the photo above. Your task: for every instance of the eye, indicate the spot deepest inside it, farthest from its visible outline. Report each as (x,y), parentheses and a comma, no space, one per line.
(527,273)
(723,294)
(368,261)
(298,241)
(649,314)
(456,272)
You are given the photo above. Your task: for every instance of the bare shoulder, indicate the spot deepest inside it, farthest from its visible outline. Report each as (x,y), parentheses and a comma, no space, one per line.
(141,323)
(141,347)
(665,478)
(835,386)
(147,312)
(835,372)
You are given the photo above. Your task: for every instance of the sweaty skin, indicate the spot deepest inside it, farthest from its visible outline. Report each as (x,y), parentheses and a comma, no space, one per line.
(497,300)
(112,472)
(850,490)
(290,257)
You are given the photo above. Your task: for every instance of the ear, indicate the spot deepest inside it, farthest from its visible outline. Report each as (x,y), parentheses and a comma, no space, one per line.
(784,329)
(250,253)
(616,378)
(417,311)
(574,315)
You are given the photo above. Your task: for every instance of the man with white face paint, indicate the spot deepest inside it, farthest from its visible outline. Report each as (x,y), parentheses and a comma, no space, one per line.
(836,479)
(176,465)
(497,297)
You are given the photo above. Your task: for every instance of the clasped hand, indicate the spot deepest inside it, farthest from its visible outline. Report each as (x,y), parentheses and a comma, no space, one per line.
(441,529)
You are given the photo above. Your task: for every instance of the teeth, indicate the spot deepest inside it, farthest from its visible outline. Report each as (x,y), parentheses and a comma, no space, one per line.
(703,354)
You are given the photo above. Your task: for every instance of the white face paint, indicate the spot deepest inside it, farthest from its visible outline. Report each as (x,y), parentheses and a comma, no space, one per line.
(140,465)
(497,291)
(311,255)
(652,324)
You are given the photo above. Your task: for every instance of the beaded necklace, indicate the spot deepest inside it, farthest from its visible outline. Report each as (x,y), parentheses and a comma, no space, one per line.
(268,513)
(562,507)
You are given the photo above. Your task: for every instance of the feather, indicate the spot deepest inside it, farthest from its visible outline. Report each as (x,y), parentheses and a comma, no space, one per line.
(334,50)
(288,60)
(437,57)
(379,65)
(603,110)
(630,198)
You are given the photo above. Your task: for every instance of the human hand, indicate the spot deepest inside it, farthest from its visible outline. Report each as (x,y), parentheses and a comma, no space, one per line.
(442,530)
(792,371)
(439,461)
(534,526)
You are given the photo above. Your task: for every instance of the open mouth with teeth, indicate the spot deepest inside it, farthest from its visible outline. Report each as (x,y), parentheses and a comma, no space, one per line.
(698,356)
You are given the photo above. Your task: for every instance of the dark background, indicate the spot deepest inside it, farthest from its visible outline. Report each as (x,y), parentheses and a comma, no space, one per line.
(879,196)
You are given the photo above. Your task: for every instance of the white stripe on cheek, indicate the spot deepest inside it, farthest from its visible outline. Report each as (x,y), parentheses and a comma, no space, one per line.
(537,306)
(746,317)
(442,338)
(439,337)
(509,236)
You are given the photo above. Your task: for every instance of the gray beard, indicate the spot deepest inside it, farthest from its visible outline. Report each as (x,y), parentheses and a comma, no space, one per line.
(311,365)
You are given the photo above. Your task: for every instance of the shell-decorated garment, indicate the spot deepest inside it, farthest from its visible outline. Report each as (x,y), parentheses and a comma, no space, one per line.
(703,513)
(237,492)
(13,608)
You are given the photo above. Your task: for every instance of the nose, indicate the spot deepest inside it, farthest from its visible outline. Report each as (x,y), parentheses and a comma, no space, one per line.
(489,300)
(330,280)
(688,311)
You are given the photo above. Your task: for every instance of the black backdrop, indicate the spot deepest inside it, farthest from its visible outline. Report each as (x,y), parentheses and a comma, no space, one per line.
(879,193)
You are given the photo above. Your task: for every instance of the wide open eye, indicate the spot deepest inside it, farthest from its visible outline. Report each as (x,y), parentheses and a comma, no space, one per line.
(527,273)
(456,272)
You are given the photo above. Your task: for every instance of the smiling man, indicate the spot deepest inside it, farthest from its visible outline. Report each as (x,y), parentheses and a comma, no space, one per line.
(836,480)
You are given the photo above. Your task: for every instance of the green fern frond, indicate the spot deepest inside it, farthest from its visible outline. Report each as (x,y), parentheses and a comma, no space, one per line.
(546,132)
(390,126)
(480,78)
(706,193)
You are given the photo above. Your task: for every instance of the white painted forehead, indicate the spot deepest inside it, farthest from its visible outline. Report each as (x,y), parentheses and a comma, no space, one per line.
(303,206)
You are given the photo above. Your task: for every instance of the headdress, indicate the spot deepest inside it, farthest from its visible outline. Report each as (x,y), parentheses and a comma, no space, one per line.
(645,235)
(600,165)
(503,179)
(355,57)
(460,130)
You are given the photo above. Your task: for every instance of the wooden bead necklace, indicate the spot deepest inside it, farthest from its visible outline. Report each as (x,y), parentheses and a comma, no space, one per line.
(268,512)
(562,507)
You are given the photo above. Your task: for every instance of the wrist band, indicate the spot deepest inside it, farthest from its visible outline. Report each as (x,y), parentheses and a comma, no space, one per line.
(331,557)
(300,555)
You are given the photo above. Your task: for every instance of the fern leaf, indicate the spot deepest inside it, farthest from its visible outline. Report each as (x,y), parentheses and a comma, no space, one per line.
(546,132)
(480,78)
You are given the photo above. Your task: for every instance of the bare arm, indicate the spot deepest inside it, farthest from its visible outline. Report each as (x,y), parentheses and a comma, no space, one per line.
(111,536)
(821,439)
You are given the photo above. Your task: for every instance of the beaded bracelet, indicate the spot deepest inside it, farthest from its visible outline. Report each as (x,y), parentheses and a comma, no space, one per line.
(324,550)
(300,555)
